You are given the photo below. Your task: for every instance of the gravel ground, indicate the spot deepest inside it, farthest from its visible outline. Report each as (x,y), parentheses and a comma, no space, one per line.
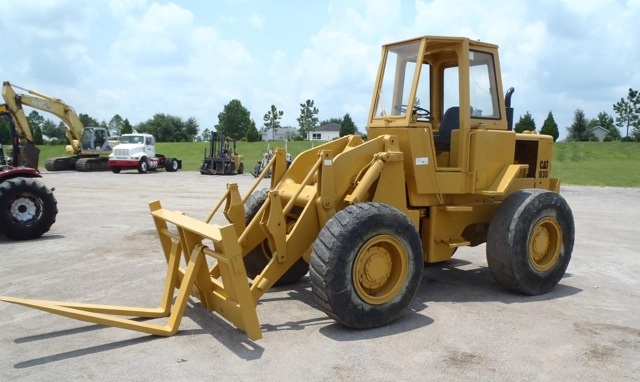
(461,325)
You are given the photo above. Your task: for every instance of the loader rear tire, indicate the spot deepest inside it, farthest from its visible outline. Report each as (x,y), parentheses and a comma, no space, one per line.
(256,260)
(241,168)
(366,265)
(530,241)
(28,208)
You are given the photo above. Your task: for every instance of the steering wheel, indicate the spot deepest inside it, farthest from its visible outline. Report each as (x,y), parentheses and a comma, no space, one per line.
(419,112)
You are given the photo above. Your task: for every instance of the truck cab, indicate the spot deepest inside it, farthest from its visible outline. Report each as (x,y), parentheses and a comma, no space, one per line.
(136,146)
(138,151)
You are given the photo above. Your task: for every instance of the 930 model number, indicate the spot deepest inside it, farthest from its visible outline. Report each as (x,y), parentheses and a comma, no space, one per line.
(543,171)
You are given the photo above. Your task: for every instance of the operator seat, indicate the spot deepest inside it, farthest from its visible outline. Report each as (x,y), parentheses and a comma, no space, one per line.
(450,121)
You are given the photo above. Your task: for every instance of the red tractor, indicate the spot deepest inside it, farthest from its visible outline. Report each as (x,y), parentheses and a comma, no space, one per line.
(28,208)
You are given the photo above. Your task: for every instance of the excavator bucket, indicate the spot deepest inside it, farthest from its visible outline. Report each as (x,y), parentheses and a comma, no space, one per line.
(29,155)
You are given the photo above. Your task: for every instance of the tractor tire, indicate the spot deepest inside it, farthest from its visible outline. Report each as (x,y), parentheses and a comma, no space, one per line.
(28,208)
(229,168)
(256,260)
(241,168)
(256,170)
(171,165)
(366,265)
(143,166)
(115,170)
(530,240)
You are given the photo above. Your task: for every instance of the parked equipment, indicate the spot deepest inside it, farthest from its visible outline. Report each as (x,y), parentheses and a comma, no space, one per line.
(442,170)
(266,158)
(138,151)
(28,208)
(222,159)
(88,146)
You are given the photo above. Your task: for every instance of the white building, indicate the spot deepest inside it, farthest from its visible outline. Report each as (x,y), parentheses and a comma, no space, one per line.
(324,133)
(600,132)
(283,133)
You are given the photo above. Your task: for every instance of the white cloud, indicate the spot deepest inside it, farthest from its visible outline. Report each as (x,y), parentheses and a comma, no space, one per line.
(122,8)
(256,21)
(46,41)
(190,58)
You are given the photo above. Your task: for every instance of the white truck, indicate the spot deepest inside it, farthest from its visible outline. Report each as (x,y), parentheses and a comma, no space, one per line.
(138,151)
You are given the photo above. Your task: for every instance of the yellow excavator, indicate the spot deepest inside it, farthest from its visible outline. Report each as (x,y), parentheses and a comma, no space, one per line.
(442,170)
(88,147)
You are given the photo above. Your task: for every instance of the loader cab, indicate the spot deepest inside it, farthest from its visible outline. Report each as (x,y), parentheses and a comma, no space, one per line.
(443,85)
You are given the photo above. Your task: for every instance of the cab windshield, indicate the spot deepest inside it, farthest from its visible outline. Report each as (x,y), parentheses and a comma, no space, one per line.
(395,90)
(132,139)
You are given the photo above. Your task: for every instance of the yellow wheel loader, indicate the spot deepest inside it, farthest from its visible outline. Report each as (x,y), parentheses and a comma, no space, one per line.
(442,169)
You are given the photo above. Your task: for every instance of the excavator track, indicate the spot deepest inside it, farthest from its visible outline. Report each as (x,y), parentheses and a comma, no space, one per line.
(60,164)
(92,164)
(87,164)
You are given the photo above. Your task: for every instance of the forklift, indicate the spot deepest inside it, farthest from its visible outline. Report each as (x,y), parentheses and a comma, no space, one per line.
(222,159)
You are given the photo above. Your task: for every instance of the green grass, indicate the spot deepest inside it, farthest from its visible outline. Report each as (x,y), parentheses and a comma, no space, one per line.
(614,164)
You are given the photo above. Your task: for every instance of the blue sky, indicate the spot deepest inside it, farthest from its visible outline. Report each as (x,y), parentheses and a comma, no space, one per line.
(137,58)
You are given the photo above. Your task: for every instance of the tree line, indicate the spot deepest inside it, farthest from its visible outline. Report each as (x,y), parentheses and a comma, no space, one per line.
(235,120)
(166,128)
(627,117)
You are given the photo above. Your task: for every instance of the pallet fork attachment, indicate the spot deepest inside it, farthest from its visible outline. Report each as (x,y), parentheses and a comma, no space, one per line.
(224,288)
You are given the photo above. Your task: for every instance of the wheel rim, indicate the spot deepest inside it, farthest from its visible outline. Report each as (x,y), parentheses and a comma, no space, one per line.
(380,269)
(25,209)
(544,244)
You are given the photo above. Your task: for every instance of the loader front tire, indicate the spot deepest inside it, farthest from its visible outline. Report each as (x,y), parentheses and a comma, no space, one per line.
(366,265)
(530,240)
(28,208)
(256,260)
